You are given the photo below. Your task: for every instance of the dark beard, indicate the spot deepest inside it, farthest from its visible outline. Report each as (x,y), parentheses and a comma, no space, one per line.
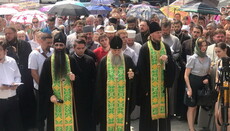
(178,32)
(59,64)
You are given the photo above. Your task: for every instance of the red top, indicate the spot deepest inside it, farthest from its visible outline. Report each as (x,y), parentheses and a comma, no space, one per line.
(100,53)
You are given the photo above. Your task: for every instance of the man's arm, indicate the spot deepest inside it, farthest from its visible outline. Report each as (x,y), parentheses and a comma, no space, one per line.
(35,75)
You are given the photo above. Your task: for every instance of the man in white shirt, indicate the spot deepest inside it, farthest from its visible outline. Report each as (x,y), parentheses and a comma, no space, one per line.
(38,56)
(72,37)
(131,41)
(9,79)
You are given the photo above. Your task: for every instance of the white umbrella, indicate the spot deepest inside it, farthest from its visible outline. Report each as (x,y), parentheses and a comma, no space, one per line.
(70,2)
(8,11)
(26,17)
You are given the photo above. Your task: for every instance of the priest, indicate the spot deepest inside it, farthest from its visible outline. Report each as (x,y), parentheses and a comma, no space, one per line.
(155,73)
(115,89)
(58,79)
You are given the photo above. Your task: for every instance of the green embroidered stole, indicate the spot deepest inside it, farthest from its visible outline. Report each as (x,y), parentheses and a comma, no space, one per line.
(157,95)
(116,96)
(62,89)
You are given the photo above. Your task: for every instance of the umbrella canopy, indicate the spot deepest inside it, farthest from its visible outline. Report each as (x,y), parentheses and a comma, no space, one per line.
(46,8)
(26,17)
(144,11)
(8,11)
(173,8)
(99,9)
(12,5)
(223,3)
(68,10)
(200,7)
(101,2)
(69,2)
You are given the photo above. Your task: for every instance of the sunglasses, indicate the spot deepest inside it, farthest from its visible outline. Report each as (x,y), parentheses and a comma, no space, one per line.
(34,22)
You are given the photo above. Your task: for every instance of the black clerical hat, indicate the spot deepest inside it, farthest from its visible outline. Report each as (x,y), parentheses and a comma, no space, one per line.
(116,43)
(153,27)
(113,20)
(60,37)
(87,28)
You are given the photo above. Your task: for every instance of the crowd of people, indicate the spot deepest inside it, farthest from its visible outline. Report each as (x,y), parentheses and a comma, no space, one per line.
(90,72)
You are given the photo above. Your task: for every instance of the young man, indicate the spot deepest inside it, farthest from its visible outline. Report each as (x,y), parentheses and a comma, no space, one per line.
(103,50)
(85,91)
(10,75)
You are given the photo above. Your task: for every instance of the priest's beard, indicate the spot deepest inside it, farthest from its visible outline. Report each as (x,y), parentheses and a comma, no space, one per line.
(59,63)
(116,59)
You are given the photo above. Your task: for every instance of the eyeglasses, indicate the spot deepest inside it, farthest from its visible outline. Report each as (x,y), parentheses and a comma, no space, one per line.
(34,22)
(61,45)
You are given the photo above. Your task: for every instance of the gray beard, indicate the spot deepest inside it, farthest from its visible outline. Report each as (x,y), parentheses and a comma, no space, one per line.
(116,60)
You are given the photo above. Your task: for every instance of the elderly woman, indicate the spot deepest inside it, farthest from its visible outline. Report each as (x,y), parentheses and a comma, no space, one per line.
(197,70)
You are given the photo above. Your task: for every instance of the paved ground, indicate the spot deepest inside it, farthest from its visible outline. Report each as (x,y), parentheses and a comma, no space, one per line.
(175,125)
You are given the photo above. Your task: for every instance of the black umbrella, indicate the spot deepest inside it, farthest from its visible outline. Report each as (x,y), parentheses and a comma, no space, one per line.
(200,7)
(68,10)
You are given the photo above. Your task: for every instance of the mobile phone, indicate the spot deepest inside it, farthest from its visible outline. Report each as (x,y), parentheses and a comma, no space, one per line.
(60,101)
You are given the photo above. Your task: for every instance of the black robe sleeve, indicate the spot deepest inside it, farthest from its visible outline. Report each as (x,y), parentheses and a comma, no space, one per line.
(45,91)
(169,73)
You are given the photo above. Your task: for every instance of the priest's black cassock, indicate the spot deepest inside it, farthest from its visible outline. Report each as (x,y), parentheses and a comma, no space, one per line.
(143,89)
(25,91)
(46,107)
(100,91)
(84,93)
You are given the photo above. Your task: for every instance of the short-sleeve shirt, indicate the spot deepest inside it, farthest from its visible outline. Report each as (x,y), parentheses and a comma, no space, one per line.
(197,67)
(36,60)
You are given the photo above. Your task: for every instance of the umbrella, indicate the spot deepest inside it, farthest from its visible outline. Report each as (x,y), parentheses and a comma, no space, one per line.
(200,7)
(26,17)
(69,2)
(144,11)
(223,3)
(46,8)
(101,2)
(68,10)
(173,8)
(12,5)
(99,9)
(8,11)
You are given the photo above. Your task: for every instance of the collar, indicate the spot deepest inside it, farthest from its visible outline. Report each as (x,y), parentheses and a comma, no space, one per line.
(6,60)
(78,55)
(41,50)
